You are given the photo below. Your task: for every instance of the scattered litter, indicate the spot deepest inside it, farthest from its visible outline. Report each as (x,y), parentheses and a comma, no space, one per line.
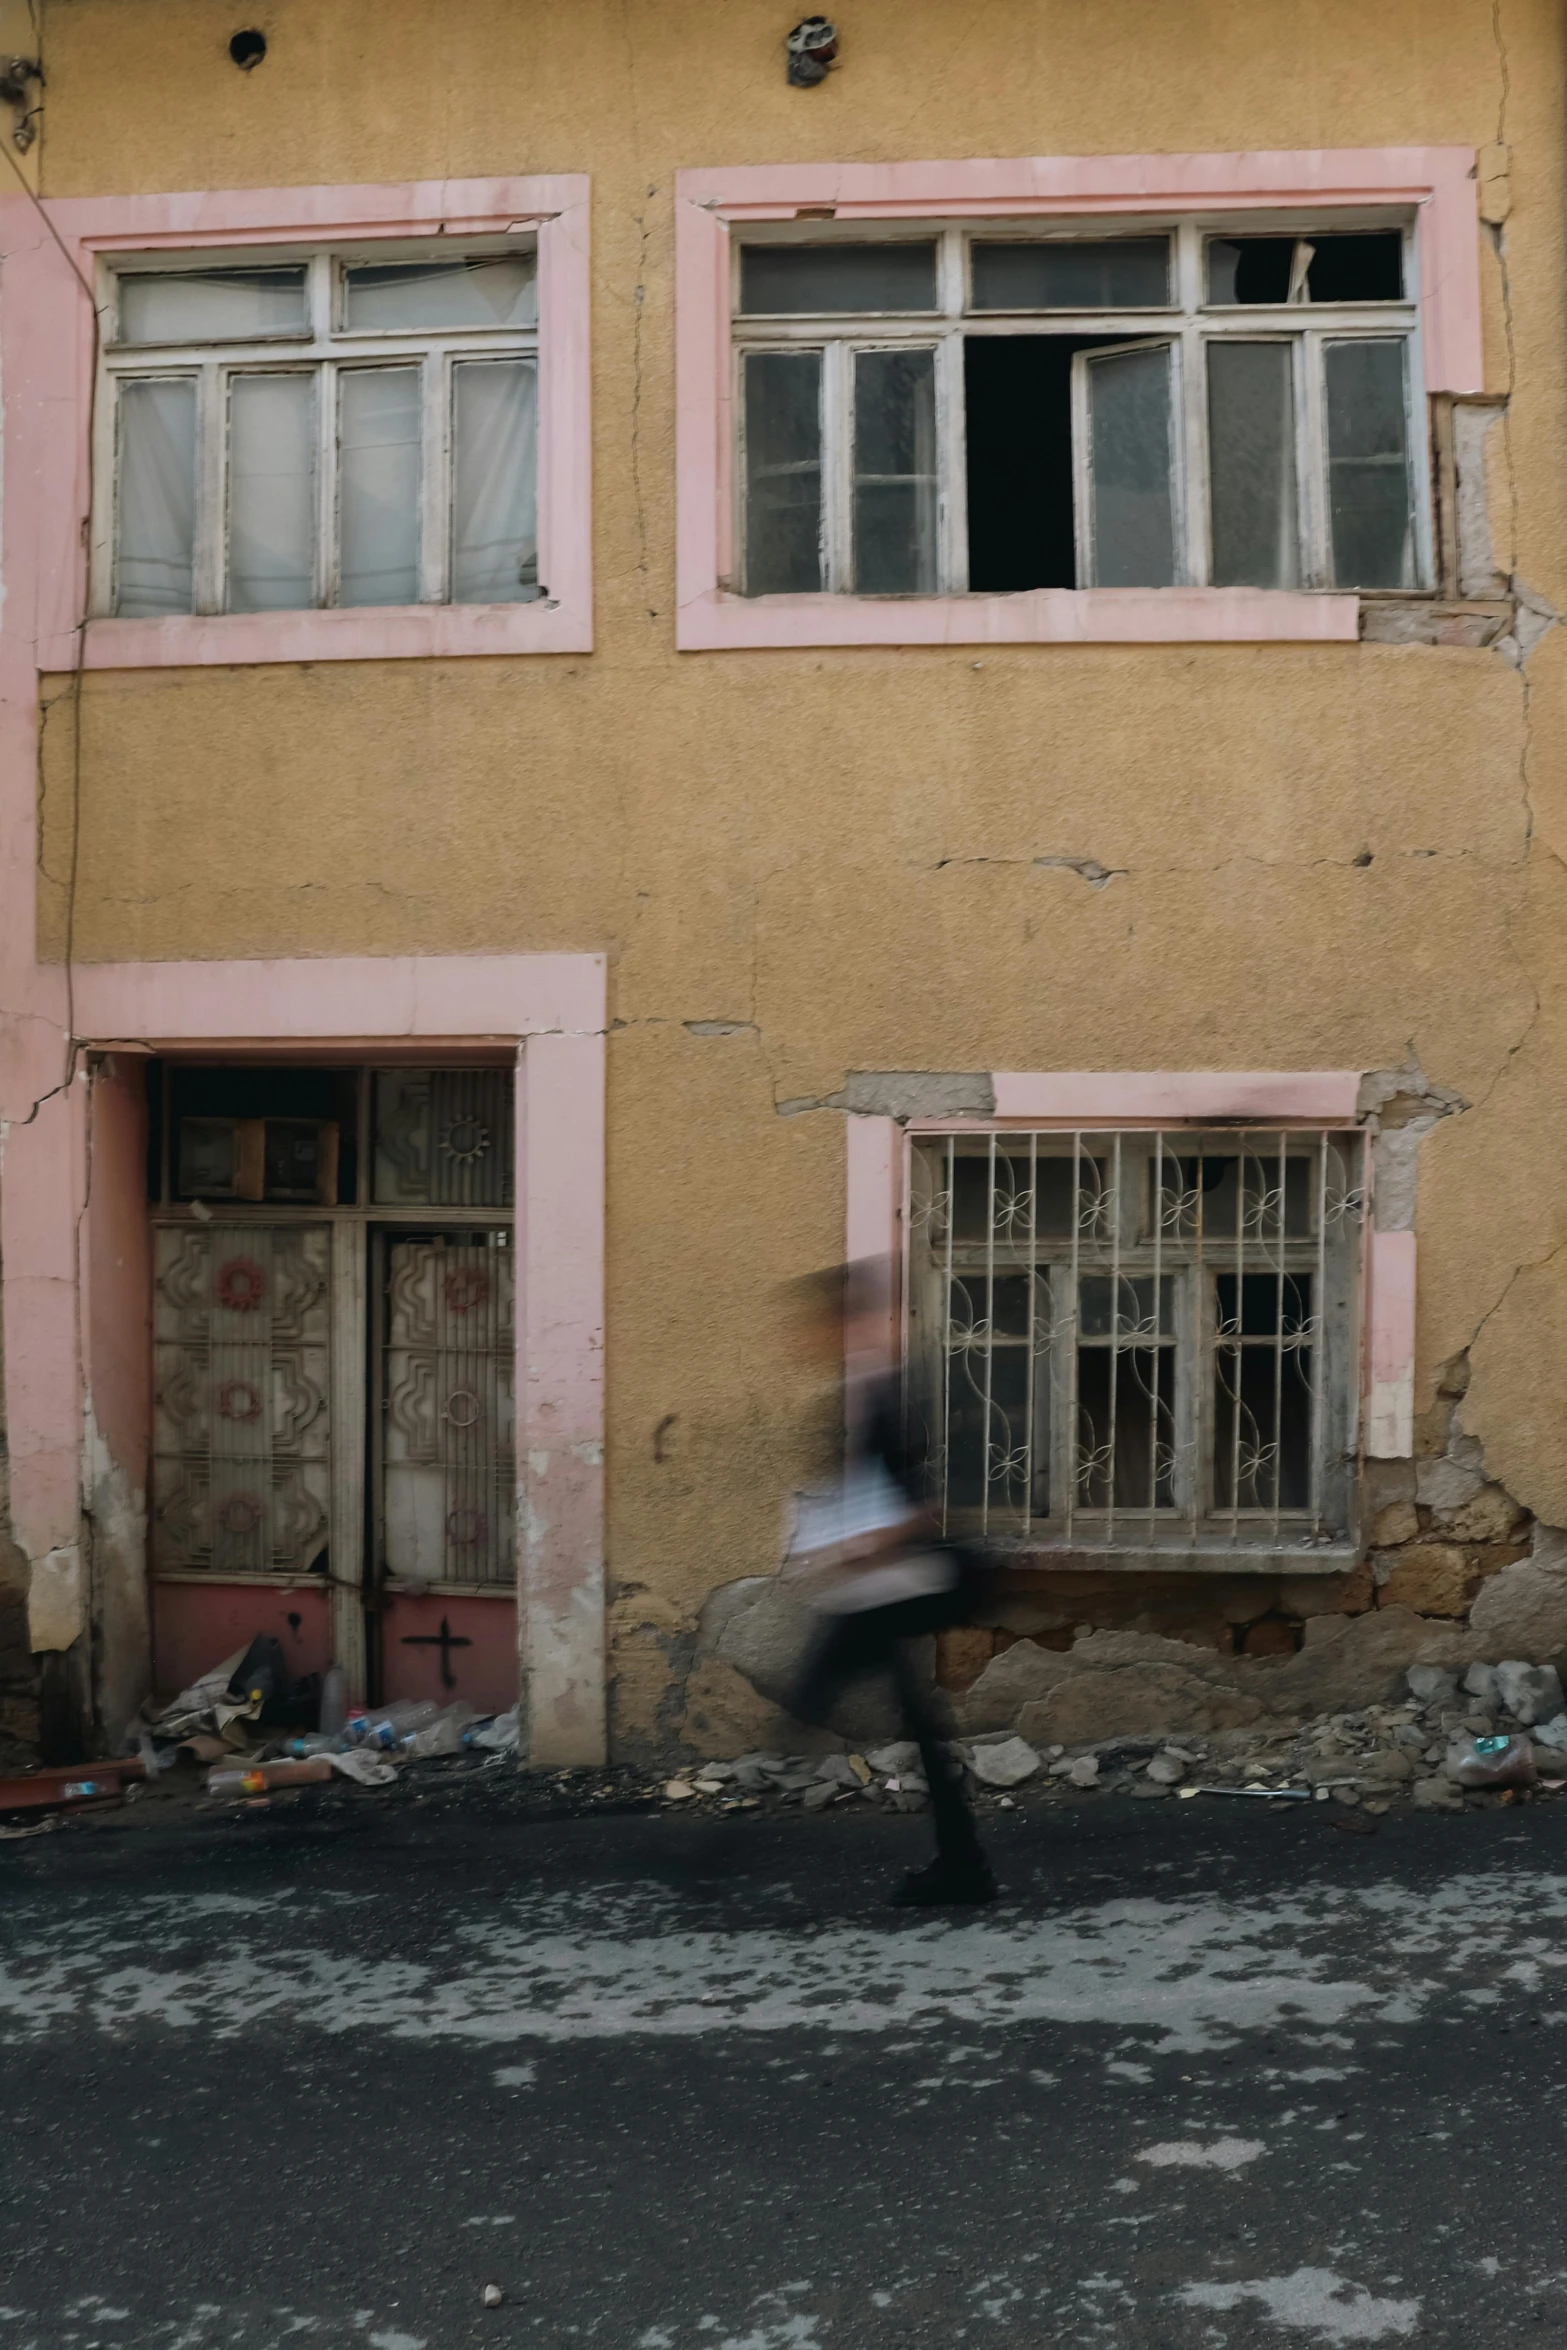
(228,1779)
(34,1828)
(364,1769)
(493,2296)
(1492,1762)
(1269,1794)
(678,1790)
(68,1784)
(499,1736)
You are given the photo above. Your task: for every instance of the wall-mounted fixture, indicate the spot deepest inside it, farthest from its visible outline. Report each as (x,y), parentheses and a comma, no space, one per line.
(16,76)
(812,47)
(248,49)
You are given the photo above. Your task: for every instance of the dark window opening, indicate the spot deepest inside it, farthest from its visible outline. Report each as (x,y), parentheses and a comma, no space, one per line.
(1357,269)
(1362,267)
(298,1126)
(1018,396)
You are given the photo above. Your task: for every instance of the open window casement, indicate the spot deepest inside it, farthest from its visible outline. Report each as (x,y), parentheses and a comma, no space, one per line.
(1256,495)
(1127,465)
(945,410)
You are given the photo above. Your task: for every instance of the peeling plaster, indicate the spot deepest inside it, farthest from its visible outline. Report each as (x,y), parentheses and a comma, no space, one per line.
(904,1094)
(1402,1106)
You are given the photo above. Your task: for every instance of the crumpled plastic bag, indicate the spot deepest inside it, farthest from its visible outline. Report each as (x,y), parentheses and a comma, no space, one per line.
(365,1769)
(499,1736)
(1492,1762)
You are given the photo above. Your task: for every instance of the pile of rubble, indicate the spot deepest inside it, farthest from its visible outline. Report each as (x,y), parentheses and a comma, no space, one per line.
(1499,1733)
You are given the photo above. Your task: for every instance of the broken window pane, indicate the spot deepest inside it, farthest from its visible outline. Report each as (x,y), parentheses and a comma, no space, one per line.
(155,524)
(1251,464)
(1365,267)
(895,472)
(1249,269)
(1369,503)
(272,493)
(783,472)
(782,281)
(378,485)
(1131,467)
(1122,273)
(495,555)
(1357,268)
(491,289)
(210,305)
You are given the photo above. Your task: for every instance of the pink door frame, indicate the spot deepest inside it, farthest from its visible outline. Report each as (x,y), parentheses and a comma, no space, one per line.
(64,1331)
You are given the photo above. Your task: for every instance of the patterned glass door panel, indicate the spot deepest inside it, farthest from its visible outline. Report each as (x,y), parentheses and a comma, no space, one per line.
(450,1413)
(243,1433)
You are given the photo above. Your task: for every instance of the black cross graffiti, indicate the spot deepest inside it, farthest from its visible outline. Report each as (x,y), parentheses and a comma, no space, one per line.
(445,1640)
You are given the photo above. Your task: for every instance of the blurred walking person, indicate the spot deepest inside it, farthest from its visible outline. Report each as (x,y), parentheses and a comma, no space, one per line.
(868,1557)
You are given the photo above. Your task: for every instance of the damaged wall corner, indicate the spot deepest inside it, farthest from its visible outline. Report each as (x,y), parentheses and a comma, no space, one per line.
(1518,1366)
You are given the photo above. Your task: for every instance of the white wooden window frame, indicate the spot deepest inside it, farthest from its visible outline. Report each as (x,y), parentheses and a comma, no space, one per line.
(1189,321)
(325,349)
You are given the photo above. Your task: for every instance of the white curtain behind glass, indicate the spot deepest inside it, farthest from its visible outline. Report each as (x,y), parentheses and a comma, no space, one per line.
(211,305)
(494,469)
(155,531)
(272,493)
(378,486)
(398,296)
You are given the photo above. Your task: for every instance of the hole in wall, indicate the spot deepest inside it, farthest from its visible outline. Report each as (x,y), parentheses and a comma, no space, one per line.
(248,49)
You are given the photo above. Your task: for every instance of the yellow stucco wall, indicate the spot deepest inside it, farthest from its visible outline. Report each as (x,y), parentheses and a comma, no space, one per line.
(839,850)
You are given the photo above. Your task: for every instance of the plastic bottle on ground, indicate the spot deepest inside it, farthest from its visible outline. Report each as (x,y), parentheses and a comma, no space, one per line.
(334,1702)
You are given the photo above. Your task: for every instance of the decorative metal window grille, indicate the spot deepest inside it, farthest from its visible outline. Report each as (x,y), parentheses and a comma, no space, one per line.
(1139,1342)
(443,1138)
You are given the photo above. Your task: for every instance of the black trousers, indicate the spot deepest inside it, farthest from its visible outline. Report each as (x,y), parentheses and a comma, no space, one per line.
(876,1641)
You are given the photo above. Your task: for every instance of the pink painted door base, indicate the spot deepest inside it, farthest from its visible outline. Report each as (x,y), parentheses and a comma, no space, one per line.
(196,1625)
(479,1645)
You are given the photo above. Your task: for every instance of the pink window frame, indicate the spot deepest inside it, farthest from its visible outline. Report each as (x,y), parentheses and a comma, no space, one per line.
(1438,181)
(47,360)
(876,1178)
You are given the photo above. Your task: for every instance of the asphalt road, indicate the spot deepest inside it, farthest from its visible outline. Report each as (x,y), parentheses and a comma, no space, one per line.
(1209,2075)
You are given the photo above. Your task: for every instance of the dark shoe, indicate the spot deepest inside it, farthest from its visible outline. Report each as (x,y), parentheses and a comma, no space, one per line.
(945,1883)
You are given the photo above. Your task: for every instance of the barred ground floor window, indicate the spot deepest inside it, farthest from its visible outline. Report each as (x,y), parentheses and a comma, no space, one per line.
(1140,1342)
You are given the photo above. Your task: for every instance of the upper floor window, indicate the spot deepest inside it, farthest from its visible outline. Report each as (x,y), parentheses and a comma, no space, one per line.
(335,428)
(934,410)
